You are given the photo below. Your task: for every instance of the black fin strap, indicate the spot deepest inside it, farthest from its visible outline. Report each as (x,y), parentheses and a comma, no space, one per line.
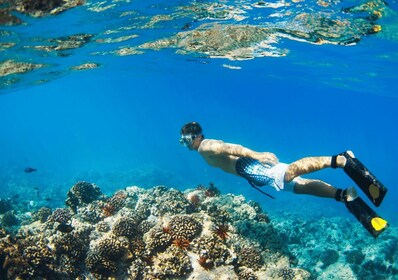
(339,195)
(251,184)
(333,163)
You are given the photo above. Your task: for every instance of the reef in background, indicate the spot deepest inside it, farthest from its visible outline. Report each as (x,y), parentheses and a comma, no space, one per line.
(159,233)
(337,247)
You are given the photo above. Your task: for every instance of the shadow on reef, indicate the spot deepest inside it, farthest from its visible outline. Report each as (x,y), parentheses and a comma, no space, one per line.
(158,233)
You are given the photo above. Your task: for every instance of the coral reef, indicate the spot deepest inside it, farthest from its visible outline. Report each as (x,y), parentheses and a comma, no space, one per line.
(9,219)
(125,226)
(172,262)
(286,273)
(151,234)
(85,66)
(250,257)
(38,8)
(337,247)
(158,239)
(145,237)
(82,193)
(61,216)
(5,205)
(10,67)
(42,214)
(183,227)
(8,19)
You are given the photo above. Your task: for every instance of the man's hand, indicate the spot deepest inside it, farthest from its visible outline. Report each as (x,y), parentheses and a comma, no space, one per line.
(267,158)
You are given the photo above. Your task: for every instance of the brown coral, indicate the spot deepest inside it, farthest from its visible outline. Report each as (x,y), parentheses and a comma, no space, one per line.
(250,257)
(184,227)
(125,226)
(157,240)
(115,203)
(173,262)
(82,193)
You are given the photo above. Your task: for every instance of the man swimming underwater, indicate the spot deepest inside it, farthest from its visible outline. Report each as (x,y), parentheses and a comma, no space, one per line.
(264,169)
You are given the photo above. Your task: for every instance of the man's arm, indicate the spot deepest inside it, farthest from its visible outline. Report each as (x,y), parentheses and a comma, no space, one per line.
(220,148)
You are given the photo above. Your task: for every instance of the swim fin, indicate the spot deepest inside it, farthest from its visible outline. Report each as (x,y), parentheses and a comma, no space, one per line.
(366,216)
(368,183)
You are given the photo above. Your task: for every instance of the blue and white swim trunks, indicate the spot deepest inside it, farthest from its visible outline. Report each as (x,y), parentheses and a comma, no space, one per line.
(263,175)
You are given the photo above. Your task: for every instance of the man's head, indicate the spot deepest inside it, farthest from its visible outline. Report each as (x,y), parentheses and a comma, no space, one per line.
(191,135)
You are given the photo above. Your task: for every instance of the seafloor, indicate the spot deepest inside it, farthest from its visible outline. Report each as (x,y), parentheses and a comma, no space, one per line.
(164,233)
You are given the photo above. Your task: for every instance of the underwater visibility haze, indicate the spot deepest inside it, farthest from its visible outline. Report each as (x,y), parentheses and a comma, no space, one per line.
(93,94)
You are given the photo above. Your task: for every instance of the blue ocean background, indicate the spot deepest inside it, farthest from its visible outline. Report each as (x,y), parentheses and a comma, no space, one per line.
(118,125)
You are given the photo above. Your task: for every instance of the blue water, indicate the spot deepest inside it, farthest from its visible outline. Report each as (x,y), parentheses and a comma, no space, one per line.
(118,125)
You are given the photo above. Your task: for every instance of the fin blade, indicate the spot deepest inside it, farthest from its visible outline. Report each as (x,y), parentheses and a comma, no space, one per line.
(367,216)
(368,183)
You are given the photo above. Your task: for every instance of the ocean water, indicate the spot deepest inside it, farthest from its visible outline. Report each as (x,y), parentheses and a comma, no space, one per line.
(118,124)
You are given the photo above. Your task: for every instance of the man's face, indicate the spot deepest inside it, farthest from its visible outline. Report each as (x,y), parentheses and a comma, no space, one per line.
(188,140)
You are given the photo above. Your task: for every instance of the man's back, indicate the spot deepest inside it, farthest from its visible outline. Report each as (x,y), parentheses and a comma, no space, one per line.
(213,153)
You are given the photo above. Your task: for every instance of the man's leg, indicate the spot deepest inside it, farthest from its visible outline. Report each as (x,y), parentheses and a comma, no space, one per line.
(314,187)
(369,184)
(311,164)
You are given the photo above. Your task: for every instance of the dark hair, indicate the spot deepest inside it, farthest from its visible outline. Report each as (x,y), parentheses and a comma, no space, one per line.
(191,128)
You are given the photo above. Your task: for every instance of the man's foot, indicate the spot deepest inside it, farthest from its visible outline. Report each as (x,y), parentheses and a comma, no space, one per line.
(340,160)
(349,194)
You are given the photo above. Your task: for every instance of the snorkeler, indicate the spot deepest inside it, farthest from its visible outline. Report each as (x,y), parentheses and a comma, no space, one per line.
(264,169)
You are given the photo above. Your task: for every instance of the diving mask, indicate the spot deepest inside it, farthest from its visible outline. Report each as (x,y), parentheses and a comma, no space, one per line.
(186,140)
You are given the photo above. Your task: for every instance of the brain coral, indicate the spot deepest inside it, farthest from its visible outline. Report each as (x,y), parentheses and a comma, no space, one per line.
(247,274)
(213,248)
(250,257)
(170,202)
(82,193)
(172,262)
(112,247)
(70,245)
(125,226)
(286,273)
(61,215)
(42,214)
(184,227)
(100,266)
(105,258)
(157,239)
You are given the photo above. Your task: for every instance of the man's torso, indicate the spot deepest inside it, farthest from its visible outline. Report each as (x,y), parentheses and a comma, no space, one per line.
(209,150)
